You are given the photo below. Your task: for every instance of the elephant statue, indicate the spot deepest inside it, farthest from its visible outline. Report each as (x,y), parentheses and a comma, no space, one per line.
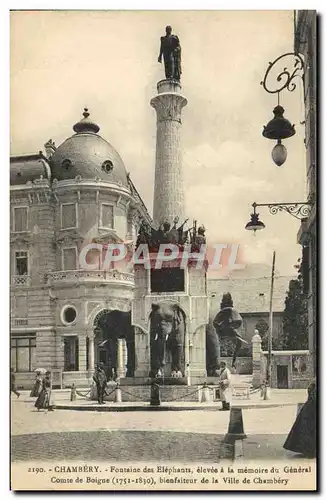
(116,325)
(167,332)
(221,328)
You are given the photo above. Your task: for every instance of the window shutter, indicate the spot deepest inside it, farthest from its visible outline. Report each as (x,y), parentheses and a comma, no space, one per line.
(20,219)
(107,216)
(69,216)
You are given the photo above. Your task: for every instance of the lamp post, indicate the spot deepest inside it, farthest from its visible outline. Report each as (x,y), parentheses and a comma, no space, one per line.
(267,394)
(279,127)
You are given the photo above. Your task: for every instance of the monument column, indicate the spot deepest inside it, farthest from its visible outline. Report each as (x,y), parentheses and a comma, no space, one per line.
(169,189)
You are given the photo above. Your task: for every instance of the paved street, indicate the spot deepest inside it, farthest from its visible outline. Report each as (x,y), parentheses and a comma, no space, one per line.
(178,436)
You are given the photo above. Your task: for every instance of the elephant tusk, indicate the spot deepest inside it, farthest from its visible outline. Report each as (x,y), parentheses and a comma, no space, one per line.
(156,336)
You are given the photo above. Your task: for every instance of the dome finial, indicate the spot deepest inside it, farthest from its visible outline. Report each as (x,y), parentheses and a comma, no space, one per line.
(85,125)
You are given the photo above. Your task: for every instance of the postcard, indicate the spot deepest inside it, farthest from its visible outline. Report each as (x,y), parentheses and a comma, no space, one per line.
(162,255)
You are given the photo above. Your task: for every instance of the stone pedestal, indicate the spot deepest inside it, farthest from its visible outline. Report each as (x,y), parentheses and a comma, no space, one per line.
(169,189)
(194,304)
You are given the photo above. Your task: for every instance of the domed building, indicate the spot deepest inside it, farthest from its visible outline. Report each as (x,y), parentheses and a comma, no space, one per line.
(73,196)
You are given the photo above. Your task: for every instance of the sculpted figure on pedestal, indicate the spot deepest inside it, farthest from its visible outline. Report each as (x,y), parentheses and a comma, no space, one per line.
(227,322)
(164,234)
(171,51)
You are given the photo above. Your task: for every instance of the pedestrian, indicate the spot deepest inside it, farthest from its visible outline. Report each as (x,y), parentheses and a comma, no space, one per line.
(302,436)
(37,387)
(100,380)
(13,387)
(225,386)
(43,400)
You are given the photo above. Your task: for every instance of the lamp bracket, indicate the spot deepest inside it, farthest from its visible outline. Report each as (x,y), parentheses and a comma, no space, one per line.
(300,210)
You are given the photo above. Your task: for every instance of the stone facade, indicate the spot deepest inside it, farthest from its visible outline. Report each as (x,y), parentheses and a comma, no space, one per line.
(305,44)
(289,369)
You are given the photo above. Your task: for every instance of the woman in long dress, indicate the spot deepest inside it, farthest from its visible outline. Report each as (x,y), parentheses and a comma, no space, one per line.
(37,388)
(302,436)
(43,400)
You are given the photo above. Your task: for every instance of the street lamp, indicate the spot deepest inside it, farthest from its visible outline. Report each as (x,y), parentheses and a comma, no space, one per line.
(254,224)
(300,210)
(279,127)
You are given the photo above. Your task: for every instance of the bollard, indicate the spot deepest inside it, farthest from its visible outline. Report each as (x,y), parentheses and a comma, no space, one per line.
(266,393)
(204,393)
(73,394)
(235,430)
(299,406)
(118,395)
(155,394)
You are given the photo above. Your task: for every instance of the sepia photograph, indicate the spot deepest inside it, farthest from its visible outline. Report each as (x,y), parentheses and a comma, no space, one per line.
(163,250)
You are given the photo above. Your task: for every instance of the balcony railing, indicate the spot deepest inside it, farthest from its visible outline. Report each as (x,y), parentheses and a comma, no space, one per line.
(98,276)
(21,280)
(19,321)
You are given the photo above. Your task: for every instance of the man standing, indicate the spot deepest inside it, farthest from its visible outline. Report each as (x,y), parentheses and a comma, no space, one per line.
(225,386)
(100,381)
(171,51)
(13,383)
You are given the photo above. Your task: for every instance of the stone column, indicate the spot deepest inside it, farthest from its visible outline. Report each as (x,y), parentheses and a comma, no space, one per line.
(198,352)
(82,352)
(91,353)
(169,189)
(121,358)
(257,375)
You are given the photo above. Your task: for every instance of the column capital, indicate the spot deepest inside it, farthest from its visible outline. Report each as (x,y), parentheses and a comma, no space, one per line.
(168,106)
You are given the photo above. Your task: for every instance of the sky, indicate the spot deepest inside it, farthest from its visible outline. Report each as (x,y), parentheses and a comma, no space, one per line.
(62,61)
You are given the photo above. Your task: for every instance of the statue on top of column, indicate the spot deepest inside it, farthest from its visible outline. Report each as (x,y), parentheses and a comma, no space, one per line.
(171,51)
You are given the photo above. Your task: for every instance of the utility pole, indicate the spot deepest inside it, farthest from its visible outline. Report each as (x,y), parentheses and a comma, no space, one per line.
(267,394)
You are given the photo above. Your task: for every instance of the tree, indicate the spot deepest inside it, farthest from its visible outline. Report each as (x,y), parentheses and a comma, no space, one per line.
(295,316)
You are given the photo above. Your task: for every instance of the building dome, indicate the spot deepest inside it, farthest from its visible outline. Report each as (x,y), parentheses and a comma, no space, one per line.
(87,154)
(28,168)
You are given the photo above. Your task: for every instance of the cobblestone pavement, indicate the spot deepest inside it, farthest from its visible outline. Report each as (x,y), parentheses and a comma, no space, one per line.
(119,446)
(180,436)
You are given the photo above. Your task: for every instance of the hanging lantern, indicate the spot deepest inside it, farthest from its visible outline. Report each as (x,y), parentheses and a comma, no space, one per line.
(277,129)
(254,224)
